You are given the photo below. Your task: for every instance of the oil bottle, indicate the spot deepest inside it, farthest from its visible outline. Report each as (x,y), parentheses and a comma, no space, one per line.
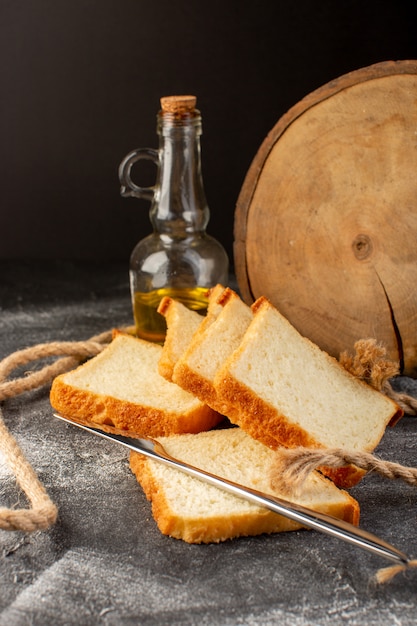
(178,259)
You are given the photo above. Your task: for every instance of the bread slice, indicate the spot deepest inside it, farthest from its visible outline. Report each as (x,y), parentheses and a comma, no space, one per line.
(120,390)
(182,323)
(210,346)
(284,391)
(189,509)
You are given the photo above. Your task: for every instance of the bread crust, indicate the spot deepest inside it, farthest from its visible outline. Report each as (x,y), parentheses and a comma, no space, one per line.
(181,325)
(198,528)
(258,418)
(191,381)
(264,421)
(187,372)
(132,419)
(216,529)
(265,424)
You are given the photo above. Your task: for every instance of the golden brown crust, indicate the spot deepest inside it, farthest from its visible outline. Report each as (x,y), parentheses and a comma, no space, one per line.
(351,512)
(186,375)
(226,295)
(261,302)
(344,477)
(262,422)
(182,323)
(219,528)
(258,418)
(200,387)
(164,305)
(136,420)
(194,383)
(166,363)
(165,367)
(214,293)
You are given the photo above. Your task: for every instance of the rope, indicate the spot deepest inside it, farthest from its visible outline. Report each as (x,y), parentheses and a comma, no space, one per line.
(42,512)
(370,364)
(385,574)
(291,467)
(407,403)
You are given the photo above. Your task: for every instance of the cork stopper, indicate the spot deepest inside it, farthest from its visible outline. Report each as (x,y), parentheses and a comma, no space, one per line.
(178,105)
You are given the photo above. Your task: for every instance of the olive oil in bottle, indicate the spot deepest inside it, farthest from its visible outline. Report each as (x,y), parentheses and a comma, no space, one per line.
(149,323)
(178,259)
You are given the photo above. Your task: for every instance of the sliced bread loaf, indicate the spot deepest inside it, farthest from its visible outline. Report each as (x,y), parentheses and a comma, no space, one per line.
(210,346)
(189,509)
(120,390)
(182,323)
(283,390)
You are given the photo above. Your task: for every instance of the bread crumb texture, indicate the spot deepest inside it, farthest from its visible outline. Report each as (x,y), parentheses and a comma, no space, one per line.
(310,393)
(187,508)
(122,387)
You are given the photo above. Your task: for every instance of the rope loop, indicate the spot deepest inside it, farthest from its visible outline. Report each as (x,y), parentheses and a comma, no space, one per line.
(290,467)
(42,512)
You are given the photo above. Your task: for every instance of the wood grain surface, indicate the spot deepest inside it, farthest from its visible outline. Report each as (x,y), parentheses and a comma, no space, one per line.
(326,221)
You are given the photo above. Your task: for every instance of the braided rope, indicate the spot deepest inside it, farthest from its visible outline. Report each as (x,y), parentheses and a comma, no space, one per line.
(42,512)
(291,467)
(288,472)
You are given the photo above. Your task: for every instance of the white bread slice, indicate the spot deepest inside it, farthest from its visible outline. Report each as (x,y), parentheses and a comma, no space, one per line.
(210,346)
(120,390)
(189,509)
(283,390)
(182,323)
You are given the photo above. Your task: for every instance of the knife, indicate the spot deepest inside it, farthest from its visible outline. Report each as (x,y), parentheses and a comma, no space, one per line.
(313,519)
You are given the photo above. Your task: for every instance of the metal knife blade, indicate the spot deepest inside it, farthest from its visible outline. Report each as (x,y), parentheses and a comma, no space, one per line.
(313,519)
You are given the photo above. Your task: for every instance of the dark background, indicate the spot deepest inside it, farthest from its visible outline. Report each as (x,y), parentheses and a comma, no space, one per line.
(80,87)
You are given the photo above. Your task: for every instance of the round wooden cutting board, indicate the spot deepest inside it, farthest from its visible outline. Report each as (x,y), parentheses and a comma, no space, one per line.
(326,221)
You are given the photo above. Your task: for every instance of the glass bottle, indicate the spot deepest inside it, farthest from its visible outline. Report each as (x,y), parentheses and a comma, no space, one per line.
(179,259)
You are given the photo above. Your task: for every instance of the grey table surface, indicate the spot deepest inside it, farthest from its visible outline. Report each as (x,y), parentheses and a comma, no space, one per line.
(105,562)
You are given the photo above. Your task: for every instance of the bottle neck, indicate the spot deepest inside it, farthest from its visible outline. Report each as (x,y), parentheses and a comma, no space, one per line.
(179,207)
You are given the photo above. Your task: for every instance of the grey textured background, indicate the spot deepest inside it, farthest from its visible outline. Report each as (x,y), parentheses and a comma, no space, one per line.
(106,563)
(80,87)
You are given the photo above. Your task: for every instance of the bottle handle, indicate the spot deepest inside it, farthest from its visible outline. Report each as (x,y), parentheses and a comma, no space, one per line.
(128,188)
